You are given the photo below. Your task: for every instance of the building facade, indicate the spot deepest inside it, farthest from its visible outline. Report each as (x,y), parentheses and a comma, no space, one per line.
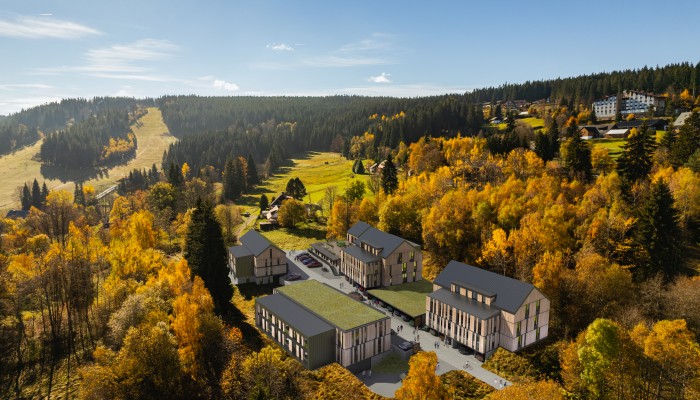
(483,310)
(256,259)
(373,258)
(319,325)
(630,102)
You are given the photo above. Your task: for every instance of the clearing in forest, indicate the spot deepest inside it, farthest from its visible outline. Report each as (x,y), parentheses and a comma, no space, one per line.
(22,166)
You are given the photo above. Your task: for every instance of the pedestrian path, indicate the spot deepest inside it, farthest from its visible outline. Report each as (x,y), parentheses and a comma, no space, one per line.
(449,358)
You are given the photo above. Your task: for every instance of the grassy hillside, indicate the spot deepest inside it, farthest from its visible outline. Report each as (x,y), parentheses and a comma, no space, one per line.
(317,171)
(22,166)
(614,146)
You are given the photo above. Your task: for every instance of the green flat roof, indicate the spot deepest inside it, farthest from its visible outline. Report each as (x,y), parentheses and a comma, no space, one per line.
(407,297)
(332,305)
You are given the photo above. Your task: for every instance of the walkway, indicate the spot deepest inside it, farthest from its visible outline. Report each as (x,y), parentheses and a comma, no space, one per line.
(386,384)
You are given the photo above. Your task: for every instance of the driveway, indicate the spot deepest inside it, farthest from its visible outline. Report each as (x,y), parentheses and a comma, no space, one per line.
(386,384)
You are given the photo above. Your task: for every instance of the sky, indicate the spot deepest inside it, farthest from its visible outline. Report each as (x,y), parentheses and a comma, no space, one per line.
(148,48)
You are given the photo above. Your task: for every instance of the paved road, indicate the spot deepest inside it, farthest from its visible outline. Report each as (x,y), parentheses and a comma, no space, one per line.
(386,384)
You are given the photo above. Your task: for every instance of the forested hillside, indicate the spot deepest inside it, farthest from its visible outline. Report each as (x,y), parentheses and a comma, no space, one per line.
(672,78)
(26,126)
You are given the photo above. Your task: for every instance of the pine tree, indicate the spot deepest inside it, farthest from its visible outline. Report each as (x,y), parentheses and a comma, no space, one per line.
(264,202)
(577,155)
(358,167)
(593,117)
(175,175)
(659,233)
(553,138)
(295,188)
(36,194)
(687,141)
(252,177)
(205,253)
(26,198)
(232,180)
(78,194)
(636,159)
(390,179)
(44,193)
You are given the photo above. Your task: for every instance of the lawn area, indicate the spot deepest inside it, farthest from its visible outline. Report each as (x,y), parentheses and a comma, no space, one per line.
(408,297)
(614,146)
(298,238)
(535,123)
(317,171)
(391,364)
(330,304)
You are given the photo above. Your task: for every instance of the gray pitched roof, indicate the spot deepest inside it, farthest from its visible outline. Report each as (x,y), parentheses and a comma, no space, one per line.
(473,307)
(359,228)
(361,255)
(510,293)
(239,251)
(255,242)
(376,238)
(295,315)
(680,121)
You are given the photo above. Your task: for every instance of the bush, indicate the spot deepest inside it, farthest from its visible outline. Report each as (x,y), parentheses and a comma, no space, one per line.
(511,366)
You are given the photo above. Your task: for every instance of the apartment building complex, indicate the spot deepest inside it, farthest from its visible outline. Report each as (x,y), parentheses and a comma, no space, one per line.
(319,325)
(630,102)
(373,258)
(483,310)
(256,259)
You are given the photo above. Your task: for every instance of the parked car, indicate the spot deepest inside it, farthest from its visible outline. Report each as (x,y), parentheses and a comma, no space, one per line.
(390,309)
(405,346)
(307,261)
(406,318)
(433,332)
(314,264)
(293,277)
(425,328)
(479,357)
(303,257)
(381,304)
(397,313)
(304,254)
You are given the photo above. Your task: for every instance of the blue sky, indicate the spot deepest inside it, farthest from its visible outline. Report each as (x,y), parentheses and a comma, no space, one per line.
(55,49)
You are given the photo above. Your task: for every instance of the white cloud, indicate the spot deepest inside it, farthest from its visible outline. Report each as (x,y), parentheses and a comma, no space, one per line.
(381,78)
(13,86)
(33,28)
(230,86)
(218,83)
(280,47)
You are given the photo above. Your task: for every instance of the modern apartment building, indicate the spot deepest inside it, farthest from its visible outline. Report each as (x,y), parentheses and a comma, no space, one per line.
(483,310)
(256,259)
(319,325)
(631,102)
(373,258)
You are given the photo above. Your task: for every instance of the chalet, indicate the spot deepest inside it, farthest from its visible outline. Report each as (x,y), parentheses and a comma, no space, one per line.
(680,121)
(277,201)
(256,259)
(655,124)
(374,258)
(589,132)
(483,310)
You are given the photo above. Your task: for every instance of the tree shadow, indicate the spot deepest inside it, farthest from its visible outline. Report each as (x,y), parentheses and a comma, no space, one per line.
(65,174)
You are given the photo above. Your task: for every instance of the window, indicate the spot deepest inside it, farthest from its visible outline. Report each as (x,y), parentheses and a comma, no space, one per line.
(517,330)
(537,334)
(411,255)
(535,321)
(527,311)
(537,308)
(400,259)
(520,341)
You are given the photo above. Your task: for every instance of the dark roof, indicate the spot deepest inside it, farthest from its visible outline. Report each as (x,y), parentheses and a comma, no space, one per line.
(592,129)
(636,123)
(239,251)
(279,199)
(320,247)
(17,214)
(472,307)
(510,293)
(361,255)
(295,315)
(255,242)
(359,228)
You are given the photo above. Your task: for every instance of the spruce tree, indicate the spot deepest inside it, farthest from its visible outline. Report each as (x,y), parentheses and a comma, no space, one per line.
(687,141)
(659,233)
(26,198)
(175,175)
(264,202)
(44,193)
(636,159)
(390,179)
(205,253)
(233,180)
(577,158)
(36,194)
(553,139)
(78,195)
(252,177)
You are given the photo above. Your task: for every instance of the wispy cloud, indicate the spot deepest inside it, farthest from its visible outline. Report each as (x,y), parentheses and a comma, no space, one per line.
(381,78)
(378,49)
(13,86)
(219,83)
(280,47)
(34,28)
(121,61)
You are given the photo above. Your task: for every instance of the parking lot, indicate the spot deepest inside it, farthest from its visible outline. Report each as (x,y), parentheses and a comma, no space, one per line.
(449,358)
